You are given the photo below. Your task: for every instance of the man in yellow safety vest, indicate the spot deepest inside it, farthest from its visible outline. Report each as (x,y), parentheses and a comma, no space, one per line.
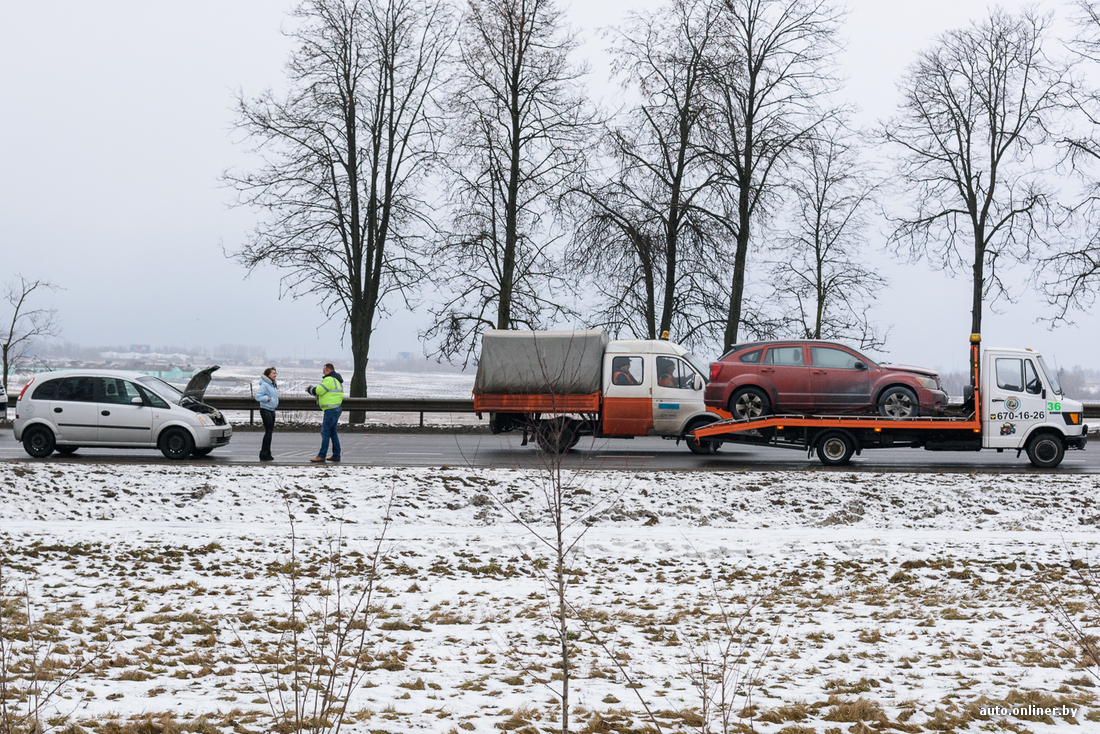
(330,396)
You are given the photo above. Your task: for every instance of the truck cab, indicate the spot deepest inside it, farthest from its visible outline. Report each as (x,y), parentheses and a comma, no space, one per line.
(653,387)
(1023,407)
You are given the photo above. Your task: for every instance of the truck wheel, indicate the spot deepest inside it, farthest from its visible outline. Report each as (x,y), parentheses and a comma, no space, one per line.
(1046,450)
(835,448)
(38,441)
(899,402)
(556,436)
(750,402)
(67,450)
(176,444)
(699,447)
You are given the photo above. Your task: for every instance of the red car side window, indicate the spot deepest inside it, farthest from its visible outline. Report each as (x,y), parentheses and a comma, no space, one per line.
(752,357)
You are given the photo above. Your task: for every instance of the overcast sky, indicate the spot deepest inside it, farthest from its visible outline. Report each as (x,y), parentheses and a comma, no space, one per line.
(116,121)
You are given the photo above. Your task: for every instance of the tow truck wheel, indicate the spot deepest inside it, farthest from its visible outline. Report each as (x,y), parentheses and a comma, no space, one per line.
(899,402)
(67,450)
(699,447)
(556,436)
(835,448)
(750,402)
(1046,451)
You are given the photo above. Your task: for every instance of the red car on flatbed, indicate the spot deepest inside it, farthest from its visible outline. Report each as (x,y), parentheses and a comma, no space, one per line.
(810,376)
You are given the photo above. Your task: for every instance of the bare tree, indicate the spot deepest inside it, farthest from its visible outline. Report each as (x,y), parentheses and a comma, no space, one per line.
(345,153)
(977,108)
(1071,275)
(520,125)
(821,272)
(23,325)
(773,67)
(644,232)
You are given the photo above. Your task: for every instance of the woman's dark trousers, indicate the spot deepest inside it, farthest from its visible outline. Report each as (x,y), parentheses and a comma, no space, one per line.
(268,417)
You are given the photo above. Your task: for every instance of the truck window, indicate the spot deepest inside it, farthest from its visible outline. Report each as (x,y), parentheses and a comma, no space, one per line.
(789,356)
(672,372)
(1010,374)
(626,371)
(1031,379)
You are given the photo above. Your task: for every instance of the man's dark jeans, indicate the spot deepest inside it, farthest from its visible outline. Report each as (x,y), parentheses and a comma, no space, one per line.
(328,431)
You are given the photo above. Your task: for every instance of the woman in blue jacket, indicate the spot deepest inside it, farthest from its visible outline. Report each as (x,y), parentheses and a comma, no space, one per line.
(267,395)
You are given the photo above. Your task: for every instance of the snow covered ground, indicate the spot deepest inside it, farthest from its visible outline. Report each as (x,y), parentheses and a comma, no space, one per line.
(907,602)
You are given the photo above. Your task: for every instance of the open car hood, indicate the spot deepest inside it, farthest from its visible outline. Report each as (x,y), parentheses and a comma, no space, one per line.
(904,368)
(198,383)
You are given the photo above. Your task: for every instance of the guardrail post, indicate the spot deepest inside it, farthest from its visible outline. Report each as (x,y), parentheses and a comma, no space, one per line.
(251,416)
(422,419)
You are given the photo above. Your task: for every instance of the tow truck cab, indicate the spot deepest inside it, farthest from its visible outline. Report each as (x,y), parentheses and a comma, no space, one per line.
(1021,401)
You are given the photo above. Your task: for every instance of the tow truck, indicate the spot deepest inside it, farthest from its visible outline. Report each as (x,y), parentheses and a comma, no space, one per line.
(1013,402)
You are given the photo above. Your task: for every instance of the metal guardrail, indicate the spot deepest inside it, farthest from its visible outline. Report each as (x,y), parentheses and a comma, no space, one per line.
(390,405)
(370,405)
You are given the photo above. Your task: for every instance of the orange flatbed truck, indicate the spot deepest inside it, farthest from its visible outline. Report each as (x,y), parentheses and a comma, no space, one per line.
(562,385)
(1014,402)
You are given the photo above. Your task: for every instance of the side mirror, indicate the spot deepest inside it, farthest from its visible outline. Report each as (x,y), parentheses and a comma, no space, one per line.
(698,384)
(137,401)
(861,365)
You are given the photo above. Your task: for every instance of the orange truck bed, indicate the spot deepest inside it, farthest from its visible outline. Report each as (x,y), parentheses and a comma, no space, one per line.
(547,403)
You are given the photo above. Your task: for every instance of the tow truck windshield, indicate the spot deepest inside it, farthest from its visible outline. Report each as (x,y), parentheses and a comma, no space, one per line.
(700,367)
(1051,377)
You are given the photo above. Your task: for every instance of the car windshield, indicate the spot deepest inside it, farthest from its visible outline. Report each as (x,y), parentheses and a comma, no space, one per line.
(162,388)
(1051,377)
(699,366)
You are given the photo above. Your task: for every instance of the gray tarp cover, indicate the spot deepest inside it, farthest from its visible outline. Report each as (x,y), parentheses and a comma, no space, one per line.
(540,362)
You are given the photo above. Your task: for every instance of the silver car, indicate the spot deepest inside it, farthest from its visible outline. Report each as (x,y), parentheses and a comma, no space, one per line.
(62,411)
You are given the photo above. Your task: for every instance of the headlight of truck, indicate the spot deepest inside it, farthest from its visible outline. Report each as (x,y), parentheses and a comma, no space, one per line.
(929,383)
(205,420)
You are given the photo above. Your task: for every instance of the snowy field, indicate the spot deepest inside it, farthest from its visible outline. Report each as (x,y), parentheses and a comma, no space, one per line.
(841,602)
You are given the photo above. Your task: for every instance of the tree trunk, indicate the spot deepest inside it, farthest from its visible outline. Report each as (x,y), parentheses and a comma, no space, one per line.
(360,326)
(979,283)
(737,288)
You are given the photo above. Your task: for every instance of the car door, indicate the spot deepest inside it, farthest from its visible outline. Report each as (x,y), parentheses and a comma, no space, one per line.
(1016,401)
(785,368)
(674,395)
(836,383)
(73,411)
(628,397)
(125,418)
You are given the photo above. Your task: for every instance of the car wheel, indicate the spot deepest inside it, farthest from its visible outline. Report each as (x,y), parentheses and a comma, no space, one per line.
(750,402)
(704,446)
(176,444)
(898,402)
(67,450)
(199,453)
(1046,450)
(835,448)
(38,441)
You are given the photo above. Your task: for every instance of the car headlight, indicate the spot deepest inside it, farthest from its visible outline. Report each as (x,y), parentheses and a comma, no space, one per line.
(929,383)
(205,420)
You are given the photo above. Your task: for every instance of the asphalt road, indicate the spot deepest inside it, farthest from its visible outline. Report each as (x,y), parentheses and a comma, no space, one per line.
(643,454)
